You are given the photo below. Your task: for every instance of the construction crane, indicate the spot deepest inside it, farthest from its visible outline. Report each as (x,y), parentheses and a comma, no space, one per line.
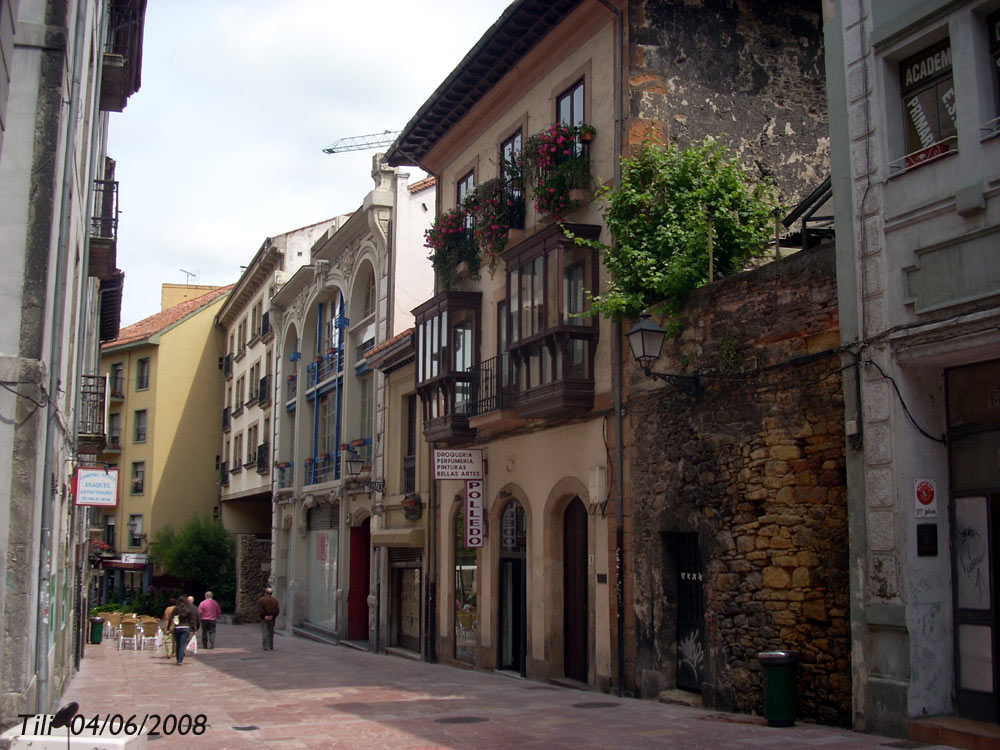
(362,142)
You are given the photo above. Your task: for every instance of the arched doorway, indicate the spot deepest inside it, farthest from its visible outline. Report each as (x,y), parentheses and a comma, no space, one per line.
(360,582)
(575,591)
(513,586)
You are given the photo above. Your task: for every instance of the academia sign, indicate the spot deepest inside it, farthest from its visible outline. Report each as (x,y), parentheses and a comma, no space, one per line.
(97,487)
(458,464)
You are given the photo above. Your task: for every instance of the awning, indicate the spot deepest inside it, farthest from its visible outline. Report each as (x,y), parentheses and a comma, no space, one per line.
(412,537)
(123,565)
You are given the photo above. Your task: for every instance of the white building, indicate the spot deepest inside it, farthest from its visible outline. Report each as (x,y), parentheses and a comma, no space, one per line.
(914,98)
(363,278)
(63,67)
(248,405)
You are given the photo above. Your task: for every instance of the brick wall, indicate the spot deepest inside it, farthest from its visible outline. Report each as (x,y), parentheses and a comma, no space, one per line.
(754,470)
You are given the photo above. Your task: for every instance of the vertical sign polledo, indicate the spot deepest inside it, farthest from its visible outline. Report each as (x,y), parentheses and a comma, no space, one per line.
(474,527)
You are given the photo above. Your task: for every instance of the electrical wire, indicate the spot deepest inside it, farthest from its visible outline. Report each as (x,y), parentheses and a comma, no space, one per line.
(906,409)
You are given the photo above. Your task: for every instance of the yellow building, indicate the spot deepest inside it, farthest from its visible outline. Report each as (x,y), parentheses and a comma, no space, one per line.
(164,380)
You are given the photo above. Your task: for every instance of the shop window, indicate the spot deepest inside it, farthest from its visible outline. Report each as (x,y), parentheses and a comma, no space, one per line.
(928,105)
(466,596)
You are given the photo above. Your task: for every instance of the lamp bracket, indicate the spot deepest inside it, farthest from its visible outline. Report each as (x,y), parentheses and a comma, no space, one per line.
(689,384)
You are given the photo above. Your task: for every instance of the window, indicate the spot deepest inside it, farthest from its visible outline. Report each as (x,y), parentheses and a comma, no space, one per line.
(569,105)
(140,426)
(993,24)
(253,382)
(116,378)
(142,374)
(447,332)
(328,423)
(928,103)
(109,530)
(551,337)
(238,394)
(255,317)
(410,446)
(252,444)
(510,173)
(115,430)
(463,190)
(138,477)
(366,419)
(370,296)
(135,535)
(238,453)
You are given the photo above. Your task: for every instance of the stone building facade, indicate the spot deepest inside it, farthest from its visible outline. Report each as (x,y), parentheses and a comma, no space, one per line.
(739,496)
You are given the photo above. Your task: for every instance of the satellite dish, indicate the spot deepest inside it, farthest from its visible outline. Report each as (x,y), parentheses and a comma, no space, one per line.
(65,715)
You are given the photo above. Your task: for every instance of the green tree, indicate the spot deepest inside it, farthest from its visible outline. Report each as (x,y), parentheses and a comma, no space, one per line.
(202,553)
(661,215)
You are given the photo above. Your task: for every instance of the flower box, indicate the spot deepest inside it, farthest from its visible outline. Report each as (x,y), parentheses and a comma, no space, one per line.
(359,442)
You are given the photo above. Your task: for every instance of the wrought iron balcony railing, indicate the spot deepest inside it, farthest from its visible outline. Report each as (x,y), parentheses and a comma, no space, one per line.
(493,386)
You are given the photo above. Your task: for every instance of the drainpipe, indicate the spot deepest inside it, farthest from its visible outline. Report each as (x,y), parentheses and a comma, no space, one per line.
(616,353)
(44,603)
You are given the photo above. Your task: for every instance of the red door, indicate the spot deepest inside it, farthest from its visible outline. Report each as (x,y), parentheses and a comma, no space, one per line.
(358,587)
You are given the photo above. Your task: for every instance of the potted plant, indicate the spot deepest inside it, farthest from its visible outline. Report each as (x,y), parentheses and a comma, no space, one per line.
(556,163)
(496,206)
(450,242)
(586,132)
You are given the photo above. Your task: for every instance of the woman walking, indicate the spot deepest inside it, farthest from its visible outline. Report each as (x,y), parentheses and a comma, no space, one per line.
(185,623)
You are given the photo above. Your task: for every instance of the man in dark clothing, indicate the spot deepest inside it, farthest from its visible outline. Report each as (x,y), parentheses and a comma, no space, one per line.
(269,610)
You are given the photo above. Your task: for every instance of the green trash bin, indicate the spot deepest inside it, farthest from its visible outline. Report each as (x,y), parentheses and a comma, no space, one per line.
(96,629)
(779,687)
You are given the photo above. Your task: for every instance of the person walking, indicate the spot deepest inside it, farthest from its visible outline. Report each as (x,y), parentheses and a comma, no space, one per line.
(208,612)
(185,623)
(168,629)
(269,610)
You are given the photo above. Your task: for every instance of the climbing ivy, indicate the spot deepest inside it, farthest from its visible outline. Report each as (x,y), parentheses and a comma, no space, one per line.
(659,216)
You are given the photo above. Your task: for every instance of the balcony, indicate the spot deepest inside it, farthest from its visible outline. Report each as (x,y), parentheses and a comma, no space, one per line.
(237,409)
(114,439)
(324,367)
(263,458)
(322,468)
(227,367)
(103,240)
(91,438)
(116,383)
(264,391)
(494,386)
(122,60)
(226,421)
(291,388)
(224,473)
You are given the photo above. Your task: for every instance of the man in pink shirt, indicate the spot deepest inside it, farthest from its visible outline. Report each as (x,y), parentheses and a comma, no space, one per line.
(209,612)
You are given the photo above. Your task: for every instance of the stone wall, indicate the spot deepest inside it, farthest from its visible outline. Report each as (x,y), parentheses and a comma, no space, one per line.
(253,570)
(748,72)
(754,467)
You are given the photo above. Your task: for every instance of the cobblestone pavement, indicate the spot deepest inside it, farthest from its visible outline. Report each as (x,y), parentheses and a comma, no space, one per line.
(305,695)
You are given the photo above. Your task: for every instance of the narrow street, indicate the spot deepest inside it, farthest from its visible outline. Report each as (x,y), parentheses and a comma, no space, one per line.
(310,695)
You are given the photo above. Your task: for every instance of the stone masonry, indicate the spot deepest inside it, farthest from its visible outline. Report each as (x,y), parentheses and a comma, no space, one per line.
(253,567)
(754,468)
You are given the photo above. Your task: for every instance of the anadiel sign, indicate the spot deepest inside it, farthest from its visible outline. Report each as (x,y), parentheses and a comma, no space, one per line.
(97,487)
(458,464)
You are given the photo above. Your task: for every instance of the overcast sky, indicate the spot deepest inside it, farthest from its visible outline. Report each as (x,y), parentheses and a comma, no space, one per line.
(222,145)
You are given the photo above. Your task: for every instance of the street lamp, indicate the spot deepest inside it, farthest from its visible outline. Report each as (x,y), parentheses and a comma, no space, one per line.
(133,526)
(646,341)
(354,463)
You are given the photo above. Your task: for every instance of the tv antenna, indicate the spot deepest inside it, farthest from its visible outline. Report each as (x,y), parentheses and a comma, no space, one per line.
(190,275)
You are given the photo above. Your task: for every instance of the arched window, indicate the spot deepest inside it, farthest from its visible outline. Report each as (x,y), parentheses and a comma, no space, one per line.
(370,298)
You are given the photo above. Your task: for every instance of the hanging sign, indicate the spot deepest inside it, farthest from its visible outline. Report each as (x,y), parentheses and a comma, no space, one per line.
(458,464)
(97,487)
(925,498)
(474,525)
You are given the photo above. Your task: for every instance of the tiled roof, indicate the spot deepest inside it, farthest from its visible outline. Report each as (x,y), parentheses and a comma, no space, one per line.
(387,343)
(162,320)
(416,187)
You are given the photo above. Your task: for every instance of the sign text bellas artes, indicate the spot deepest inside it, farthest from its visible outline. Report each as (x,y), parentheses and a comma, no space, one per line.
(458,464)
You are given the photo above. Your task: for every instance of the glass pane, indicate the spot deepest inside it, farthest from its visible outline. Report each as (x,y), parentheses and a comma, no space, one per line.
(538,295)
(974,395)
(526,319)
(975,658)
(462,343)
(974,460)
(573,294)
(552,289)
(578,105)
(512,528)
(972,570)
(435,351)
(578,360)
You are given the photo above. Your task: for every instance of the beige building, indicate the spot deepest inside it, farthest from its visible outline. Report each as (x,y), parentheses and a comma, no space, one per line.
(164,376)
(509,362)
